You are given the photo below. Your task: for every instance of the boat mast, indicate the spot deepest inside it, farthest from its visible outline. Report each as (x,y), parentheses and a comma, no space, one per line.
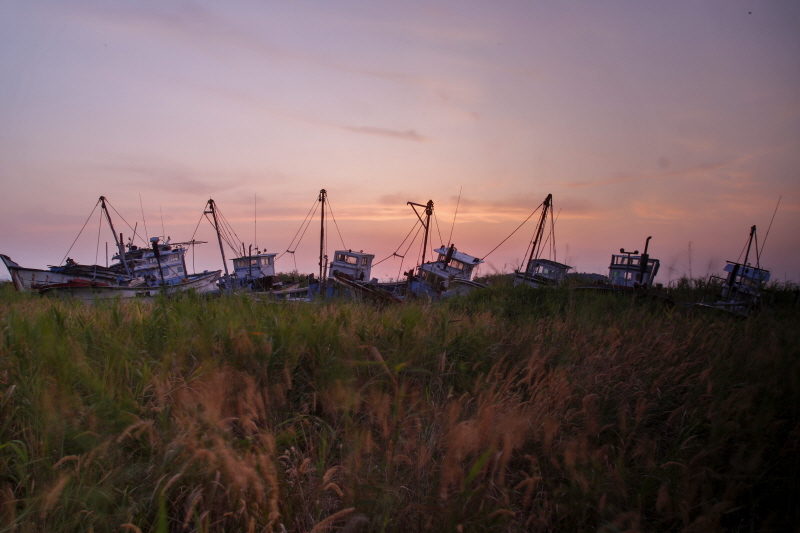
(749,243)
(425,223)
(118,241)
(537,237)
(322,195)
(213,212)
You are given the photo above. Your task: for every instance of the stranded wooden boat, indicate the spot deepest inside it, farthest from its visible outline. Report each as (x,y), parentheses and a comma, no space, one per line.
(540,272)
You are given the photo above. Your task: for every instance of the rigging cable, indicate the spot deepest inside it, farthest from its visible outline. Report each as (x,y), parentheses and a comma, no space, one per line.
(79,233)
(450,238)
(436,219)
(309,214)
(141,206)
(770,223)
(133,231)
(512,233)
(303,234)
(402,257)
(335,224)
(401,244)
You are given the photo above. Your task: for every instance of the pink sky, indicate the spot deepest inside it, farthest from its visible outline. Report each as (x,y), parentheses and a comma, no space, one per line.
(679,120)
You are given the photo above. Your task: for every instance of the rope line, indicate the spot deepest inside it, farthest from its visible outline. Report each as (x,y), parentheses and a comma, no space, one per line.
(79,233)
(401,244)
(512,233)
(330,209)
(308,215)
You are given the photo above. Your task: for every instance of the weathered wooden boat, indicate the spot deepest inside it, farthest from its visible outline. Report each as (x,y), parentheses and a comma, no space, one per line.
(32,279)
(252,272)
(160,269)
(629,270)
(136,288)
(449,275)
(740,290)
(541,272)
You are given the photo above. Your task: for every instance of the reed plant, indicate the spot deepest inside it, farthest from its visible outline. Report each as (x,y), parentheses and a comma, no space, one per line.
(512,409)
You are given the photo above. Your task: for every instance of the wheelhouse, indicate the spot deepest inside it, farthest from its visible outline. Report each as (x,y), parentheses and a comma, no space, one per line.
(357,265)
(451,264)
(169,259)
(541,272)
(628,270)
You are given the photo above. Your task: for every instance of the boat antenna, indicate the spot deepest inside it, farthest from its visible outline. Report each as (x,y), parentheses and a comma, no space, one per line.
(163,231)
(255,228)
(450,238)
(770,225)
(146,233)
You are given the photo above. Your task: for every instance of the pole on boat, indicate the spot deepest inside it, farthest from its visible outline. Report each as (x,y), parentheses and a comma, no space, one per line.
(645,257)
(213,212)
(425,223)
(322,195)
(537,236)
(157,254)
(120,246)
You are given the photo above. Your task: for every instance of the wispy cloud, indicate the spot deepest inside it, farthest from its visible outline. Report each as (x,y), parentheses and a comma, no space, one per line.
(409,135)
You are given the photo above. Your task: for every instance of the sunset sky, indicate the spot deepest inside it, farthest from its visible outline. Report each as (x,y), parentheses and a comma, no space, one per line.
(678,120)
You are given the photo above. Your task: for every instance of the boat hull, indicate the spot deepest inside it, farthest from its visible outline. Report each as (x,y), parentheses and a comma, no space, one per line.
(32,279)
(92,292)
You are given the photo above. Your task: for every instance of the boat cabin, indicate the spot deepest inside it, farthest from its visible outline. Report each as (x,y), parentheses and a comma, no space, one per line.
(357,265)
(742,286)
(170,259)
(451,264)
(541,272)
(628,270)
(254,266)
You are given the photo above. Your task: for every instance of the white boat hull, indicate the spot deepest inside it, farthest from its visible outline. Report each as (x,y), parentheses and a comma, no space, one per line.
(32,279)
(201,284)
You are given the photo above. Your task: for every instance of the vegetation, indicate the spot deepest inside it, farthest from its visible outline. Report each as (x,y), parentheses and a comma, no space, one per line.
(508,410)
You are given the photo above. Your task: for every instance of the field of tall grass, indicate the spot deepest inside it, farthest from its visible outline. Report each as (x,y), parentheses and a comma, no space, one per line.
(507,410)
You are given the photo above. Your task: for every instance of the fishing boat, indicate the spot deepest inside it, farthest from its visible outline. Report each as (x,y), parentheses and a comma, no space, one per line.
(449,275)
(740,290)
(137,288)
(32,279)
(160,269)
(629,270)
(252,272)
(541,272)
(346,275)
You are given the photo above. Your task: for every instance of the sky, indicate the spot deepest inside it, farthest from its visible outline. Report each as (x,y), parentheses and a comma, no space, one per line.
(677,120)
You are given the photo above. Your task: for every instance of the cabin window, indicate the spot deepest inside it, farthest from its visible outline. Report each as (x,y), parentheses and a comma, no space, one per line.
(364,261)
(457,264)
(180,269)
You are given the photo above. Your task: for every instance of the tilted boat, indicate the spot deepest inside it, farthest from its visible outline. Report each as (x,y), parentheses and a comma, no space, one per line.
(251,271)
(631,270)
(740,290)
(449,275)
(541,272)
(160,269)
(32,279)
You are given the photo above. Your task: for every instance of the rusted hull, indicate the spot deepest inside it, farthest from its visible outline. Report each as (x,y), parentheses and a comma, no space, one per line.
(92,292)
(32,279)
